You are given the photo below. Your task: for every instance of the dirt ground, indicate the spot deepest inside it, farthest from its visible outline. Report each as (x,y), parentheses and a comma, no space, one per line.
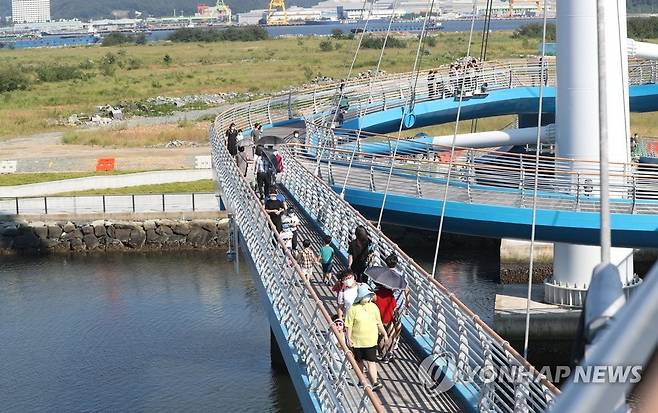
(47,153)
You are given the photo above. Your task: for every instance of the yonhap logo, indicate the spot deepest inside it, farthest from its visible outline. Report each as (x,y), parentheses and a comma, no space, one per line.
(434,375)
(438,373)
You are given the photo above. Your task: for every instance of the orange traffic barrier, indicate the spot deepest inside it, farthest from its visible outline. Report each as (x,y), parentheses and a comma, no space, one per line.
(105,164)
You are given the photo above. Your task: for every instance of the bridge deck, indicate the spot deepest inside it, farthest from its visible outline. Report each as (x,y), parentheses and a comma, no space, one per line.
(403,390)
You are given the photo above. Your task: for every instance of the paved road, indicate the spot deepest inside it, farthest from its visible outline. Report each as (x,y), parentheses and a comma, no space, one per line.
(105,181)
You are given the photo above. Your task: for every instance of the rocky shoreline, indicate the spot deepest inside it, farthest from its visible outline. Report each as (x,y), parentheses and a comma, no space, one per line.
(18,237)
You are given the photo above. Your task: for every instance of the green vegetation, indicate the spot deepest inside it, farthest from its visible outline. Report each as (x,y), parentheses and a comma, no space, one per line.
(133,73)
(34,178)
(377,42)
(116,39)
(643,27)
(204,185)
(535,31)
(231,34)
(326,46)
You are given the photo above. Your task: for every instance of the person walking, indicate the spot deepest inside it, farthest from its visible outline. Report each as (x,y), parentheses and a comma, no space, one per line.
(262,170)
(274,208)
(307,258)
(243,162)
(326,259)
(359,253)
(364,324)
(347,289)
(232,140)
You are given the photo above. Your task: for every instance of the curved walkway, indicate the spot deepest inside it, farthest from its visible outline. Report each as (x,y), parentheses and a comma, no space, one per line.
(103,182)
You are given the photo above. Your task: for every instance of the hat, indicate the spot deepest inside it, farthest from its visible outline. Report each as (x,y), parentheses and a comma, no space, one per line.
(364,291)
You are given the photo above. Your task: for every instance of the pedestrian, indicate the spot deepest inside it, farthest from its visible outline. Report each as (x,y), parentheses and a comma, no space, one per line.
(364,325)
(347,289)
(261,169)
(359,253)
(275,209)
(401,296)
(386,303)
(307,259)
(243,162)
(326,259)
(232,140)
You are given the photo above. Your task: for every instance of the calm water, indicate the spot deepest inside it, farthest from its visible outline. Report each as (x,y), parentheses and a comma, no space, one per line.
(145,333)
(157,332)
(325,29)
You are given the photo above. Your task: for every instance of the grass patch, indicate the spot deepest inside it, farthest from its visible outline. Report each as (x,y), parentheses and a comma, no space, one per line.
(34,178)
(204,185)
(140,136)
(112,74)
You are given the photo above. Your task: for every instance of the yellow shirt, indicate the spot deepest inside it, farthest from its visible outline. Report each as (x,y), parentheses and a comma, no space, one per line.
(363,319)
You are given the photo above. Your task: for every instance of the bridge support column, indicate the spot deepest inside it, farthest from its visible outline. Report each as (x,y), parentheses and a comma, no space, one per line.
(577,120)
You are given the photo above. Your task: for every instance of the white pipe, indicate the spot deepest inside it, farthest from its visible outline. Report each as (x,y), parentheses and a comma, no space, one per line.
(524,136)
(642,49)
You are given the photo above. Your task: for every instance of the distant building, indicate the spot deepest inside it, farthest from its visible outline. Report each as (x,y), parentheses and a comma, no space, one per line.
(30,11)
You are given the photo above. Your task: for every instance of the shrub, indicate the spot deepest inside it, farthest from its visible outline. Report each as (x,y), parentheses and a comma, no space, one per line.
(167,60)
(643,27)
(377,42)
(13,78)
(116,39)
(337,34)
(326,46)
(231,34)
(58,73)
(535,31)
(430,41)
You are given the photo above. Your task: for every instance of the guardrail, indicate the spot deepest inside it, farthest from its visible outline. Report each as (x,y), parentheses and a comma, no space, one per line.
(305,322)
(485,175)
(109,204)
(436,318)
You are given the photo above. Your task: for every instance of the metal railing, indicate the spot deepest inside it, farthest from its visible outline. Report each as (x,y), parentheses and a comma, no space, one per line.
(491,177)
(109,204)
(330,368)
(437,319)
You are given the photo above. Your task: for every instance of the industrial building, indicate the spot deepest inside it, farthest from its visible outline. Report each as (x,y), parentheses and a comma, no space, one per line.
(30,11)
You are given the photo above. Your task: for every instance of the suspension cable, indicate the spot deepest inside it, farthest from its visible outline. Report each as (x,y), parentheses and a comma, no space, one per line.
(363,110)
(415,75)
(452,149)
(536,186)
(484,46)
(344,82)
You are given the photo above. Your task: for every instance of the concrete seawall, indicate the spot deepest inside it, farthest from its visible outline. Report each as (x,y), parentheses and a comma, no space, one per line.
(20,236)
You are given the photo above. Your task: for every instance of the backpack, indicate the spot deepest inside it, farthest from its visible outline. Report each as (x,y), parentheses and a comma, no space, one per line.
(279,162)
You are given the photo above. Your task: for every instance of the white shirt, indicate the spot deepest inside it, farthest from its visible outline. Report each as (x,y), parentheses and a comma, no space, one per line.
(346,298)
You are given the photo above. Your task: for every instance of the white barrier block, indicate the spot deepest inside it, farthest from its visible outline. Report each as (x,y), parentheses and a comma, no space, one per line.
(8,167)
(202,162)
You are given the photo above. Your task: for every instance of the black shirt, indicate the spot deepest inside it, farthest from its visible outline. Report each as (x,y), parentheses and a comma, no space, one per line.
(275,204)
(359,255)
(232,141)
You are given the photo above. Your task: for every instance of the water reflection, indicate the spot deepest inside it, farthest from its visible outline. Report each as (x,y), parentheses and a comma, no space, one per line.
(156,332)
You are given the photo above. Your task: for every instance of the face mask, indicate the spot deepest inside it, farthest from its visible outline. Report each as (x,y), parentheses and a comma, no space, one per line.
(349,283)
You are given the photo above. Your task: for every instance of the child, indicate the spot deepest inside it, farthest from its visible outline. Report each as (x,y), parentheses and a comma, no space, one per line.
(347,289)
(326,259)
(307,258)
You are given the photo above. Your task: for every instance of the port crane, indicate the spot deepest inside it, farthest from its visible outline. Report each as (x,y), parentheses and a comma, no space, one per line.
(275,6)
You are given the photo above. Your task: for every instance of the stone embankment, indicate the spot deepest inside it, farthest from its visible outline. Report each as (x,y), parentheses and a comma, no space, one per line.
(107,235)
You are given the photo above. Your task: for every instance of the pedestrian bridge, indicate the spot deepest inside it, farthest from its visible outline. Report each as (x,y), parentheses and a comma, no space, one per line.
(489,191)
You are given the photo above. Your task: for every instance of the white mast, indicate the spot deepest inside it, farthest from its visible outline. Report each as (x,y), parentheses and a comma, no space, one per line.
(577,121)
